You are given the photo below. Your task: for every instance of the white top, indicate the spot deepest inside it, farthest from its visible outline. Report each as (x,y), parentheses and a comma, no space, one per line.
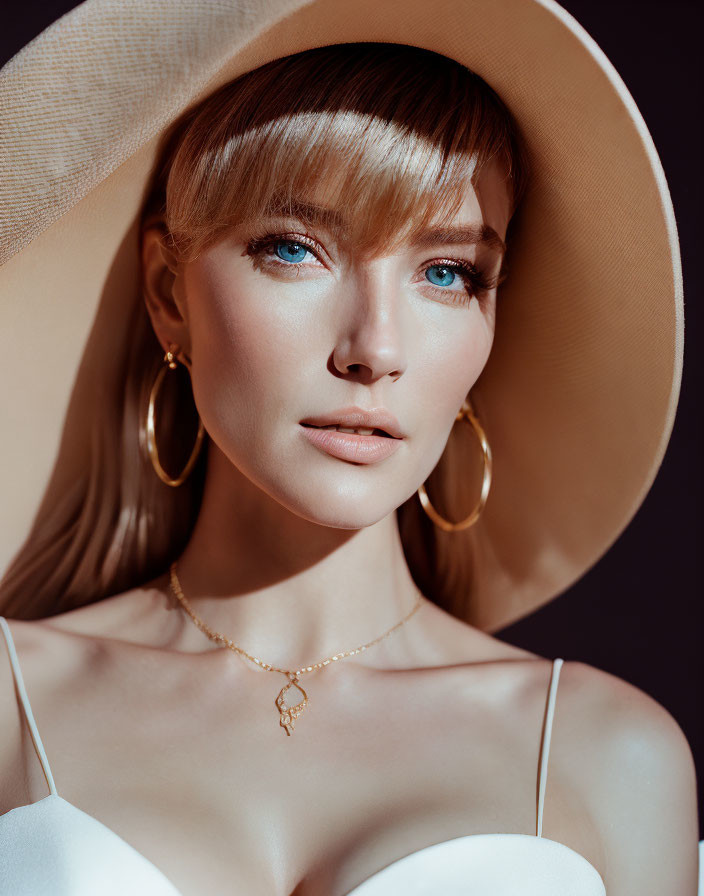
(53,848)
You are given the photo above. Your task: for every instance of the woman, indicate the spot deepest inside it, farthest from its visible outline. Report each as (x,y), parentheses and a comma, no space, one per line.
(281,650)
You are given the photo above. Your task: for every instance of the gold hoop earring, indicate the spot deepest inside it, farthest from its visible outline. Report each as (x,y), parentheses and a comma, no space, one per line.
(170,364)
(466,413)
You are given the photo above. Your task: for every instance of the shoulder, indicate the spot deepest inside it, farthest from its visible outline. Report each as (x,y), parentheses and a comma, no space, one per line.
(46,657)
(635,770)
(59,651)
(625,720)
(54,661)
(26,638)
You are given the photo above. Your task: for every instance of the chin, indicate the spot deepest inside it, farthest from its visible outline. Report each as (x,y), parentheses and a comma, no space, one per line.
(350,513)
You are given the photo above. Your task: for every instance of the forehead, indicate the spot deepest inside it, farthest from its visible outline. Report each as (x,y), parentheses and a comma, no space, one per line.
(488,200)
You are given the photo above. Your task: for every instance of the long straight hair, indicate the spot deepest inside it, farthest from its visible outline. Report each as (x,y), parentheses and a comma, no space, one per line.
(401,132)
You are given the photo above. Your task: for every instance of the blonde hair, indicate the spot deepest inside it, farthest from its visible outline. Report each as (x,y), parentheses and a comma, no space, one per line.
(400,132)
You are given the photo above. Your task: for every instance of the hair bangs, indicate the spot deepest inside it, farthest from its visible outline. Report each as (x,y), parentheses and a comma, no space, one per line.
(389,137)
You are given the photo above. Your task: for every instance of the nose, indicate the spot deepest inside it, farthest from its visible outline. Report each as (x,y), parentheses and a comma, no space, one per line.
(371,342)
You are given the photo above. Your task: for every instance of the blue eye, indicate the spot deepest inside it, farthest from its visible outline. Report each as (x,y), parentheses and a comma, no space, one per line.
(445,275)
(289,250)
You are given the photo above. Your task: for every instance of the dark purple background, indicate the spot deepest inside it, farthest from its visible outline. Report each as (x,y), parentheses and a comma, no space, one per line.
(638,612)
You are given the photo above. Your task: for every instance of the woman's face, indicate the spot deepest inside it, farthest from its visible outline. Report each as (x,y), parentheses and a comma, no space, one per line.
(295,325)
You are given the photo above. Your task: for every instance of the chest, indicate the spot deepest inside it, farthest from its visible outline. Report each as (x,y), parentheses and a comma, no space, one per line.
(200,778)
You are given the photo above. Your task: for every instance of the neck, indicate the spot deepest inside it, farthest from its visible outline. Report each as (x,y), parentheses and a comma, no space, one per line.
(286,589)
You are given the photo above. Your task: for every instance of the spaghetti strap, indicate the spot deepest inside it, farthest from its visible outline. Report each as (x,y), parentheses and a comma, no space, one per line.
(19,681)
(545,749)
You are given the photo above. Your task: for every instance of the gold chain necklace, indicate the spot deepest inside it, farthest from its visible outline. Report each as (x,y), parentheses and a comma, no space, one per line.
(287,713)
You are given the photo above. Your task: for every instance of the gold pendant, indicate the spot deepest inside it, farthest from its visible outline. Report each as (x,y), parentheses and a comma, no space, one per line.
(289,714)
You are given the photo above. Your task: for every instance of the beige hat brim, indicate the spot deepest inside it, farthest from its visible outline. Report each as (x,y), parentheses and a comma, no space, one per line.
(579,394)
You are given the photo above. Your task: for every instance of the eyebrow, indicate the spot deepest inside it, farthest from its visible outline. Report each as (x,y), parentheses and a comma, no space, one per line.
(473,234)
(482,234)
(306,212)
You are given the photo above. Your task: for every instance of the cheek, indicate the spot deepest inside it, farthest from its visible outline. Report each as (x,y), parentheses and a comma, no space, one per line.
(455,357)
(246,350)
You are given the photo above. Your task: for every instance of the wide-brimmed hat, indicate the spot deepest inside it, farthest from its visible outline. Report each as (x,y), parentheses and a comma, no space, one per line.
(578,396)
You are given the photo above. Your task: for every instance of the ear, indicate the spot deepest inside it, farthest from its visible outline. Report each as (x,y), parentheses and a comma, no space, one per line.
(162,289)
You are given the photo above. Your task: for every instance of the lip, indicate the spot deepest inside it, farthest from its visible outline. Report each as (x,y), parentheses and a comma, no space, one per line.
(350,446)
(355,418)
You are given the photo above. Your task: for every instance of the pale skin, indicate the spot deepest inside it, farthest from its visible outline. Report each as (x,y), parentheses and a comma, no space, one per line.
(174,743)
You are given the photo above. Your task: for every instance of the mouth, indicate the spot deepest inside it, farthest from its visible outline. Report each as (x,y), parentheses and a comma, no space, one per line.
(357,445)
(362,423)
(359,431)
